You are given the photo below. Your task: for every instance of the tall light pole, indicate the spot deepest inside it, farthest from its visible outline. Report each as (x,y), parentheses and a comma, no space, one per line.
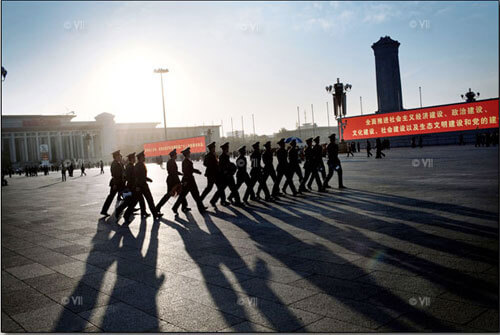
(161,72)
(328,116)
(338,92)
(420,94)
(298,119)
(242,129)
(232,129)
(253,122)
(361,104)
(312,112)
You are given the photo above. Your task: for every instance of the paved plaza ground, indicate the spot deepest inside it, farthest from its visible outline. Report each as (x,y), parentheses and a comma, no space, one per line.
(411,245)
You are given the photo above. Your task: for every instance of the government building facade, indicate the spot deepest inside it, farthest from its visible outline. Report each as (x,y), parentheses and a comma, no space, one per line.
(26,137)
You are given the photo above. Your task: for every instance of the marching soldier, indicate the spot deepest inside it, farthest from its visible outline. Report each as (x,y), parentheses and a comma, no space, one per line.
(242,174)
(130,200)
(310,168)
(318,161)
(283,169)
(173,183)
(256,173)
(268,170)
(189,183)
(294,166)
(226,172)
(116,183)
(334,161)
(141,183)
(212,169)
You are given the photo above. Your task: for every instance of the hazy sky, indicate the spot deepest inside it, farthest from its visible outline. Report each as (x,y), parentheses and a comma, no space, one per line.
(237,58)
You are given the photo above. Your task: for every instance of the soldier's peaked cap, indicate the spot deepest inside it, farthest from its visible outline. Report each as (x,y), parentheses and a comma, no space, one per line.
(293,141)
(225,145)
(267,144)
(116,153)
(130,156)
(316,138)
(211,145)
(332,136)
(173,152)
(188,149)
(309,139)
(242,149)
(281,141)
(140,154)
(256,145)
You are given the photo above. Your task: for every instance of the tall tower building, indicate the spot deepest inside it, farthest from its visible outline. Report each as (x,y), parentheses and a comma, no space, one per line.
(389,95)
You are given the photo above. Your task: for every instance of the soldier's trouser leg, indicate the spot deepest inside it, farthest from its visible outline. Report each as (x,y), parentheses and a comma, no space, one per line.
(262,180)
(234,191)
(263,186)
(311,176)
(289,181)
(124,204)
(109,199)
(130,209)
(339,172)
(149,198)
(331,169)
(163,201)
(322,169)
(315,176)
(307,173)
(210,185)
(249,185)
(276,187)
(220,193)
(196,196)
(298,171)
(253,180)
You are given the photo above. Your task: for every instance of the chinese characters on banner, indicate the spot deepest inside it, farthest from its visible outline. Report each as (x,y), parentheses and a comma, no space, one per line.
(197,144)
(463,116)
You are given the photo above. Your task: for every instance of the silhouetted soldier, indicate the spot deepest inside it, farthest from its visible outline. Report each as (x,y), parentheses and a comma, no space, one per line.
(283,169)
(256,173)
(268,170)
(174,185)
(70,170)
(116,183)
(379,148)
(368,149)
(294,166)
(134,196)
(101,164)
(334,161)
(189,183)
(227,171)
(242,174)
(212,169)
(317,160)
(82,169)
(310,168)
(141,183)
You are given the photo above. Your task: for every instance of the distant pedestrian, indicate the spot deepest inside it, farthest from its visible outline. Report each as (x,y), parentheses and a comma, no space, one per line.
(63,172)
(359,147)
(420,142)
(101,164)
(82,168)
(368,149)
(379,153)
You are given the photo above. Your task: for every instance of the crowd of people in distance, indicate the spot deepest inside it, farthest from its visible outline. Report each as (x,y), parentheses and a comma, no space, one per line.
(129,184)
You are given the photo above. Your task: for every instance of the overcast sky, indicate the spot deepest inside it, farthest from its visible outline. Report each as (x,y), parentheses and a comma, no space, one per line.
(234,59)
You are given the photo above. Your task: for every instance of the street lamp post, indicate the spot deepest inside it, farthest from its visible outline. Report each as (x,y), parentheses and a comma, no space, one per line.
(161,72)
(338,92)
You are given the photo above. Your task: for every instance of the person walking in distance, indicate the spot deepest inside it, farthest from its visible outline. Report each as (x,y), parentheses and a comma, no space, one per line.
(63,171)
(368,149)
(174,185)
(101,164)
(116,183)
(82,169)
(334,161)
(378,147)
(283,169)
(189,183)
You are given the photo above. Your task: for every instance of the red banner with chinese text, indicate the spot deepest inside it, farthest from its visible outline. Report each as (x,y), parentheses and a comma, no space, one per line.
(197,144)
(463,116)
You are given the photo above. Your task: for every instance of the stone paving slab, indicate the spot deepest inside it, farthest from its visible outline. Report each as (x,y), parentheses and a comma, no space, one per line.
(402,249)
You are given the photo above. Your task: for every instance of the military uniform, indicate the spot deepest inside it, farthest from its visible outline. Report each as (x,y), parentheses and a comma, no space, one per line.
(268,170)
(242,174)
(333,161)
(294,165)
(318,164)
(283,169)
(310,168)
(173,182)
(189,183)
(116,183)
(141,184)
(256,173)
(226,179)
(212,169)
